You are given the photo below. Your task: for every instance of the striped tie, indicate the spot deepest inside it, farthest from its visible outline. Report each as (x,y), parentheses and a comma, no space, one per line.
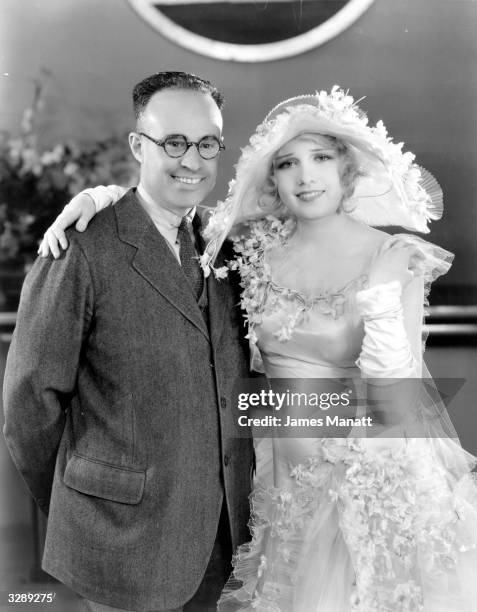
(189,261)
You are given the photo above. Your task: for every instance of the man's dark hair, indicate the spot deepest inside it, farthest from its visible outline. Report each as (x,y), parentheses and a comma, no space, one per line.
(144,90)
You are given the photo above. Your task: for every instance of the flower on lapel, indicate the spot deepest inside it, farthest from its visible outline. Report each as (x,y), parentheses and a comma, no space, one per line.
(219,273)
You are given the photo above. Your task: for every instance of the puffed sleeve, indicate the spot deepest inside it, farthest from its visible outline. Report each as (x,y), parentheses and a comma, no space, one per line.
(386,350)
(392,317)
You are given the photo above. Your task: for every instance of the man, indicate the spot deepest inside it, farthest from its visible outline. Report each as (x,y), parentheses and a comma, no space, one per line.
(118,378)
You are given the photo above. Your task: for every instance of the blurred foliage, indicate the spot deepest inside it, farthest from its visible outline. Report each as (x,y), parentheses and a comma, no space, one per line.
(35,184)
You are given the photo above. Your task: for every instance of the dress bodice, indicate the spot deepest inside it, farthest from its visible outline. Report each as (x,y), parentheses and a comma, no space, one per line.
(325,336)
(294,335)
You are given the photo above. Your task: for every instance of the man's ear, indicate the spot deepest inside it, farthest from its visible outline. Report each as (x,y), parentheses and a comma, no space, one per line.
(136,146)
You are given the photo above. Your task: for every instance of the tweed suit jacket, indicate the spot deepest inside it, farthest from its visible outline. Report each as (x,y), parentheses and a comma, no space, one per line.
(118,413)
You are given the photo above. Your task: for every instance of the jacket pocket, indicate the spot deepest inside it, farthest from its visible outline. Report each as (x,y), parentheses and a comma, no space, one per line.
(93,477)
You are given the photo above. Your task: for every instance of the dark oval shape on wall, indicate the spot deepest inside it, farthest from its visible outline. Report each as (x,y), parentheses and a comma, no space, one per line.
(247,30)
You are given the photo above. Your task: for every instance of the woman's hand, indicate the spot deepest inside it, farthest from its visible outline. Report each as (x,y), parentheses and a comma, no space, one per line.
(394,261)
(80,209)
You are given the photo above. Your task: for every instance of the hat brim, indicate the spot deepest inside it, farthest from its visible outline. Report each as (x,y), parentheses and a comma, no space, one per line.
(379,197)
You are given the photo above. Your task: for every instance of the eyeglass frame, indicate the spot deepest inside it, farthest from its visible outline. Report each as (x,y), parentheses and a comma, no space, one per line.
(189,143)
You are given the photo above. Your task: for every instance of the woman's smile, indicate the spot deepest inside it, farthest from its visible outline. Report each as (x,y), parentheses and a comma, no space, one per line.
(310,195)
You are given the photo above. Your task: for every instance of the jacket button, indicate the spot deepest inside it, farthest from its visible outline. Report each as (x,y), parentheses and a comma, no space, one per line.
(223,403)
(226,460)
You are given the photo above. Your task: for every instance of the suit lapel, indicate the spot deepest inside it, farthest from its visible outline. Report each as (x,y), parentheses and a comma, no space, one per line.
(154,260)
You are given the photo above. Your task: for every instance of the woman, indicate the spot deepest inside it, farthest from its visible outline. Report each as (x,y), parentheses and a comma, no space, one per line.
(348,523)
(338,524)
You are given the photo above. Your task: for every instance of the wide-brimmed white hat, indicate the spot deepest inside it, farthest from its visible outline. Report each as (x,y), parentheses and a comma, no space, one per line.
(391,190)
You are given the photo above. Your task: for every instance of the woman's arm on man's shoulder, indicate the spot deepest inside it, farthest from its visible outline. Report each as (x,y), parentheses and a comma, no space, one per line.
(80,210)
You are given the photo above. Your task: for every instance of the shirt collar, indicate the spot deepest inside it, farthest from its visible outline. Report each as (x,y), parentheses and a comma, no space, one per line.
(158,214)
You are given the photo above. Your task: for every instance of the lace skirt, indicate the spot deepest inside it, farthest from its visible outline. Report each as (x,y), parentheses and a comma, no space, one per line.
(363,526)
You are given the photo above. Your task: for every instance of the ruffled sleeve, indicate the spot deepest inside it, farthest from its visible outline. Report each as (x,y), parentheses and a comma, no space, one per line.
(105,195)
(433,261)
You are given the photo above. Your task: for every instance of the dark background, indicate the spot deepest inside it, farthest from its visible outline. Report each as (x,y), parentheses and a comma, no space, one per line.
(256,22)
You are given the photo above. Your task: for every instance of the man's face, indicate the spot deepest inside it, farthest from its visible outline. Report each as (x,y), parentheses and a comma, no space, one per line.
(177,184)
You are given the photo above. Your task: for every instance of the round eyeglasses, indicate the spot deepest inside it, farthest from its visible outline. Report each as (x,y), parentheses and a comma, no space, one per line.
(177,145)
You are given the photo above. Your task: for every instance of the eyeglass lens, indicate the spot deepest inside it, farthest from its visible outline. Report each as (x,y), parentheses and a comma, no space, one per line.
(176,146)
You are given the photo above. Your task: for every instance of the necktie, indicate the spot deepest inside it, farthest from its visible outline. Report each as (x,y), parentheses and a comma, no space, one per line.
(189,262)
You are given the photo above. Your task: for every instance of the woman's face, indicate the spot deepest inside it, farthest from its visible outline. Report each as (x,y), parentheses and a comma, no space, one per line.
(307,174)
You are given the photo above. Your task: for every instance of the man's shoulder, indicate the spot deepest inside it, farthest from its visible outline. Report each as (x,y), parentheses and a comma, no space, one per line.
(102,230)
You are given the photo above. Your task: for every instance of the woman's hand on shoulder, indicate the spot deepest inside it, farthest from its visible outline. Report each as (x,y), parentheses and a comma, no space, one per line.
(394,261)
(81,209)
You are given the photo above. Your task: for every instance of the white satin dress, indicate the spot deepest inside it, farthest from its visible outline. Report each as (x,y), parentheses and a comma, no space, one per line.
(352,524)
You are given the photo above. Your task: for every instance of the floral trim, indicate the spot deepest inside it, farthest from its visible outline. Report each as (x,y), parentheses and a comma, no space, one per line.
(254,272)
(391,529)
(387,520)
(216,224)
(261,292)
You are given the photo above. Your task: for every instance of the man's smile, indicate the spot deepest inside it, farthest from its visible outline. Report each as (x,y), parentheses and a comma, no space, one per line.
(188,180)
